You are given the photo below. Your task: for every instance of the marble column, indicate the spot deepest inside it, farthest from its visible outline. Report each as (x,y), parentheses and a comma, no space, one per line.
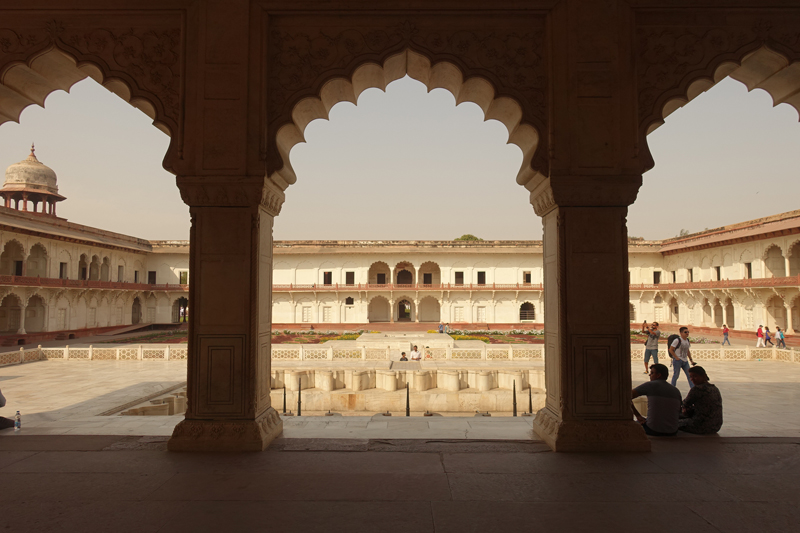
(725,315)
(416,310)
(228,404)
(587,337)
(787,266)
(789,320)
(21,330)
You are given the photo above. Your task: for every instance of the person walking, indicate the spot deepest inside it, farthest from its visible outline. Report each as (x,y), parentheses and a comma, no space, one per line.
(767,337)
(725,338)
(651,344)
(760,335)
(681,353)
(779,336)
(441,327)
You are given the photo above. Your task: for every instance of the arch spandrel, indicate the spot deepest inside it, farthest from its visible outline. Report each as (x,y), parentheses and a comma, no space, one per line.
(681,55)
(502,68)
(139,57)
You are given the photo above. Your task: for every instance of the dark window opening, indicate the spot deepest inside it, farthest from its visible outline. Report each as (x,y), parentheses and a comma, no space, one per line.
(151,277)
(526,278)
(381,279)
(691,275)
(674,277)
(62,271)
(136,276)
(348,301)
(17,268)
(719,273)
(350,278)
(83,272)
(327,278)
(427,278)
(481,278)
(120,273)
(459,278)
(527,311)
(748,270)
(184,278)
(656,278)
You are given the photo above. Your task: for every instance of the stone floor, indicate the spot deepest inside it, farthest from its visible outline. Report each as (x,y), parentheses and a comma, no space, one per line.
(66,397)
(127,484)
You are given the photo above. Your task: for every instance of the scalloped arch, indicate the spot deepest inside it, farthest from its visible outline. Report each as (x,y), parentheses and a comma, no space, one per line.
(762,68)
(770,247)
(23,84)
(441,75)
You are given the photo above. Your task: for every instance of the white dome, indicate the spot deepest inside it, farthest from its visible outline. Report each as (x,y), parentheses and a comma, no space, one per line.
(30,174)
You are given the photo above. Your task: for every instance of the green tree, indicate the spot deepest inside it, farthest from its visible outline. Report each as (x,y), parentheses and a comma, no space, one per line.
(468,237)
(683,233)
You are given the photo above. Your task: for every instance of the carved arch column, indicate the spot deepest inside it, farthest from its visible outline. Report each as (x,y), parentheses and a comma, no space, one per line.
(594,175)
(228,406)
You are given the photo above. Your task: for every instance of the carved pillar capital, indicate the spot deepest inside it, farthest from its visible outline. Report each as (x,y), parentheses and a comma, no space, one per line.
(585,191)
(231,191)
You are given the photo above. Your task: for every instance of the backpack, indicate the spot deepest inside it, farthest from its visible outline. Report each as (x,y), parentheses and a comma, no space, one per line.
(670,340)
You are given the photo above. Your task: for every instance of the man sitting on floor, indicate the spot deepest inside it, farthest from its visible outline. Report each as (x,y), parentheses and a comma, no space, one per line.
(5,422)
(663,404)
(702,408)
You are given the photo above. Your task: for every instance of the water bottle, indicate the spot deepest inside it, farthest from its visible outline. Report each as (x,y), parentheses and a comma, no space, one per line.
(17,421)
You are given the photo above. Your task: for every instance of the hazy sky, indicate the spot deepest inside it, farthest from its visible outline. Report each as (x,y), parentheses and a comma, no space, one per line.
(407,164)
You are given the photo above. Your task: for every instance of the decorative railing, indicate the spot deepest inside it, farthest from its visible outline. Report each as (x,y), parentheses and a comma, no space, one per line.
(35,281)
(788,281)
(122,352)
(701,352)
(404,286)
(488,352)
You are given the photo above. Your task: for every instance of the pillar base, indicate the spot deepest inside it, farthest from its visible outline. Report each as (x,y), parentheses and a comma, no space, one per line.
(590,436)
(226,435)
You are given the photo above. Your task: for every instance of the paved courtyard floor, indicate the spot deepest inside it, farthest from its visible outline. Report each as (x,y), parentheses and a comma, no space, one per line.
(59,397)
(63,483)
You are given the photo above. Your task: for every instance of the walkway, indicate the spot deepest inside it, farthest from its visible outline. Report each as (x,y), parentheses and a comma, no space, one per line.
(64,484)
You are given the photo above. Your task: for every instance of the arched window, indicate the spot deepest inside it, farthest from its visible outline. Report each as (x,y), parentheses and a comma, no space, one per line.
(348,301)
(527,311)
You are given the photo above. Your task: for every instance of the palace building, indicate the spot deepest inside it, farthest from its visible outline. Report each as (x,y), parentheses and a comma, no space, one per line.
(62,278)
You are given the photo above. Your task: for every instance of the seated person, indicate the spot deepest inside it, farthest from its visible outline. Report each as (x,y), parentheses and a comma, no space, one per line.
(702,408)
(5,422)
(663,404)
(403,356)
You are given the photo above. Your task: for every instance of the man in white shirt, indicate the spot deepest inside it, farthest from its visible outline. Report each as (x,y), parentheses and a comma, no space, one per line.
(681,355)
(415,355)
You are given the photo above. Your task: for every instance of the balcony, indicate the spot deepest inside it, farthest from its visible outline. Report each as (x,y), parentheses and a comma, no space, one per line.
(789,281)
(34,281)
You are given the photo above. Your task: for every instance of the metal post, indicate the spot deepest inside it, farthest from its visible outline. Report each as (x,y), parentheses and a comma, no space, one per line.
(515,397)
(530,400)
(408,405)
(299,391)
(284,398)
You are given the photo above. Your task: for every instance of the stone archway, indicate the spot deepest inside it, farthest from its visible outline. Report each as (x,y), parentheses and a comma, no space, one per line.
(404,310)
(10,314)
(180,310)
(136,311)
(378,310)
(429,309)
(12,259)
(774,262)
(37,261)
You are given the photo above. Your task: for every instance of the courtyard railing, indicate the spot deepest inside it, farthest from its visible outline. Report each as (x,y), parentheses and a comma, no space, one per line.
(319,352)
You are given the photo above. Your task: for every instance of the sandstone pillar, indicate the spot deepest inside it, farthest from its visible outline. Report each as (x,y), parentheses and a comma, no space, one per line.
(593,174)
(230,328)
(725,314)
(789,321)
(787,266)
(587,332)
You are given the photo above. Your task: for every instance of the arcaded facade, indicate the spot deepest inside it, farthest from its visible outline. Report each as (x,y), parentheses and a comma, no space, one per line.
(579,85)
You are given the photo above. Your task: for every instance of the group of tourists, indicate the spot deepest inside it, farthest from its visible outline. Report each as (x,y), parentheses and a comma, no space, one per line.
(700,412)
(444,328)
(416,355)
(764,337)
